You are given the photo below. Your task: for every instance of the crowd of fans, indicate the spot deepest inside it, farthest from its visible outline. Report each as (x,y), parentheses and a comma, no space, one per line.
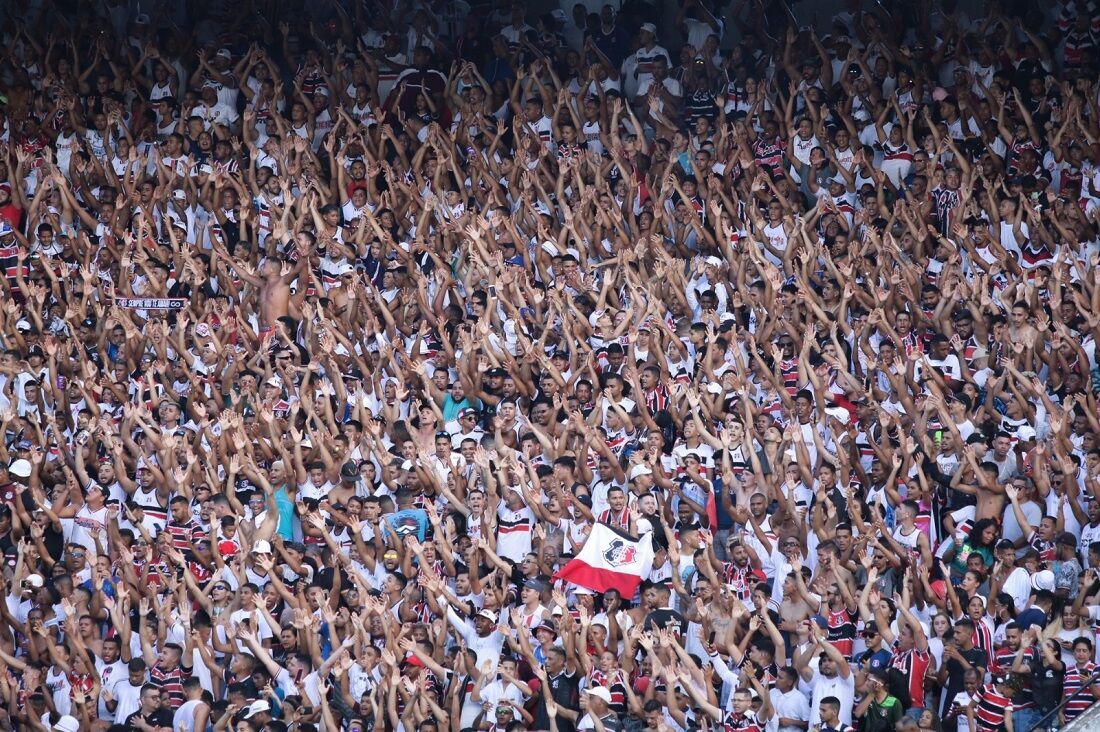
(331,329)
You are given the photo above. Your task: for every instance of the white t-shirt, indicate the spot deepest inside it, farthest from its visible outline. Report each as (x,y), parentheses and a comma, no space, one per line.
(671,85)
(128,696)
(85,519)
(219,113)
(256,620)
(792,705)
(516,527)
(308,686)
(1018,585)
(1011,527)
(638,68)
(949,366)
(497,690)
(109,676)
(486,648)
(962,700)
(1089,534)
(842,689)
(801,148)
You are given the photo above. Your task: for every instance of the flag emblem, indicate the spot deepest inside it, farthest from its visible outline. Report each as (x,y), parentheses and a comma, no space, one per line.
(620,553)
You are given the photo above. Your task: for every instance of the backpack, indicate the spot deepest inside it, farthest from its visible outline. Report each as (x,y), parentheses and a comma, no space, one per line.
(897,684)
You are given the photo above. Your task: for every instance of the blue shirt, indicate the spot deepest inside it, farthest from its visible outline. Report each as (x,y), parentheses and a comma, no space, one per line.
(451,408)
(878,659)
(408,521)
(1032,616)
(285,506)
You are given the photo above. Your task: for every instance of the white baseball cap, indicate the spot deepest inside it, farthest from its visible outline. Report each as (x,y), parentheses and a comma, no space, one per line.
(20,468)
(257,707)
(67,724)
(600,692)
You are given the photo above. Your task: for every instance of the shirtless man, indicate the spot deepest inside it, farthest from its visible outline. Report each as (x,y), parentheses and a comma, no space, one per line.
(273,280)
(1019,330)
(795,608)
(990,494)
(715,606)
(828,559)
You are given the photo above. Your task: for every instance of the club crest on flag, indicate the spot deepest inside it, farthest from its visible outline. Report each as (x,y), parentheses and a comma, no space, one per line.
(620,553)
(610,559)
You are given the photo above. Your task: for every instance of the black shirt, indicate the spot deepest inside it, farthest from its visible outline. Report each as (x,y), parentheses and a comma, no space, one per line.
(52,538)
(248,686)
(565,689)
(159,718)
(664,617)
(955,670)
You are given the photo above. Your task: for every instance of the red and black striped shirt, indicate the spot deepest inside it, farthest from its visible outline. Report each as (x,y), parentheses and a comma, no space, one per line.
(184,535)
(990,708)
(1075,678)
(170,683)
(914,664)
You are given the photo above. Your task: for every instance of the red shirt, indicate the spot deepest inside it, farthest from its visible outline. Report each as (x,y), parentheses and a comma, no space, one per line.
(914,664)
(12,214)
(842,631)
